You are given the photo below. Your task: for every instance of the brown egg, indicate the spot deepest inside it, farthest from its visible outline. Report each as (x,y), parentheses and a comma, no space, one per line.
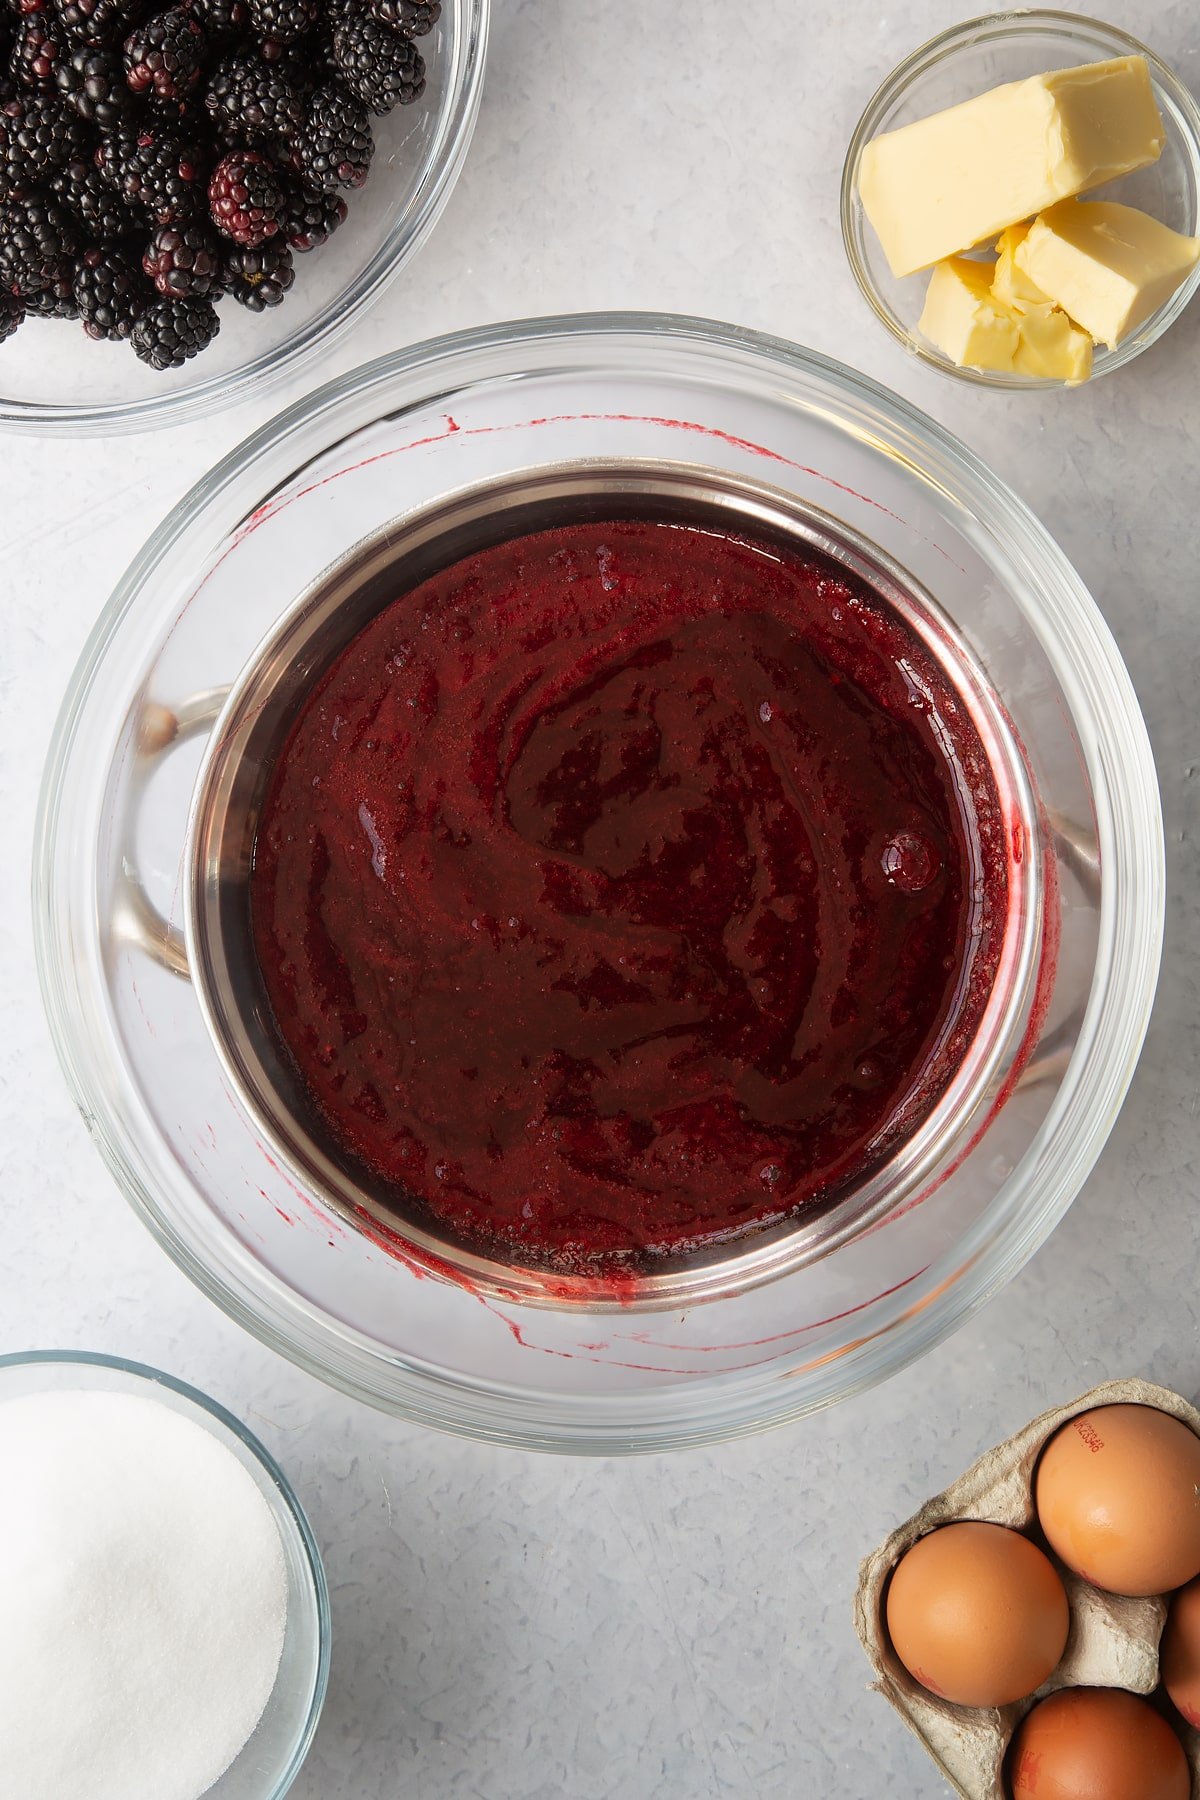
(1097,1744)
(1118,1497)
(1179,1653)
(977,1614)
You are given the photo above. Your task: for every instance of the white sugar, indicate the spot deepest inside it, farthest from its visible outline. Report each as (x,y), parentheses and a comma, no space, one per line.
(143,1599)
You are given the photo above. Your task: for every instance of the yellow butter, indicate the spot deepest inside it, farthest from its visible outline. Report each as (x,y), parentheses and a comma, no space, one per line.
(977,329)
(1010,282)
(956,179)
(1049,344)
(964,319)
(1109,266)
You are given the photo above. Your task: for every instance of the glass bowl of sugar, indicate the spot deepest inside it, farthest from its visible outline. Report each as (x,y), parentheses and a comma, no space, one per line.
(167,1624)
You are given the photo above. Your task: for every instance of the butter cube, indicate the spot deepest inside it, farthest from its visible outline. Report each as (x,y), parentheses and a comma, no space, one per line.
(1010,283)
(959,177)
(963,318)
(1049,344)
(977,329)
(1109,266)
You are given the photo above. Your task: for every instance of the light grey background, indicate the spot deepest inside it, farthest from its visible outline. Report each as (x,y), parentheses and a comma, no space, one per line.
(520,1628)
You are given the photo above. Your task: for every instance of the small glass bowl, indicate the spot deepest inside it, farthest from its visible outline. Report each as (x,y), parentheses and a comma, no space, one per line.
(54,380)
(982,54)
(270,1760)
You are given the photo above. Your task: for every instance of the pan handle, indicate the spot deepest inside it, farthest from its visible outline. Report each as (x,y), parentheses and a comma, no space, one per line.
(160,729)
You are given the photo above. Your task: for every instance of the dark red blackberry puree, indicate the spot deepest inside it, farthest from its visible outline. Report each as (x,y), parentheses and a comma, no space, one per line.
(625,888)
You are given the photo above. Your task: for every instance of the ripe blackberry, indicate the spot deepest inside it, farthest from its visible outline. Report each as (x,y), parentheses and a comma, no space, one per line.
(382,69)
(282,21)
(97,22)
(260,276)
(36,234)
(38,48)
(103,214)
(221,19)
(333,147)
(252,102)
(37,136)
(182,260)
(156,171)
(410,17)
(57,299)
(171,331)
(164,55)
(12,313)
(93,82)
(245,197)
(311,217)
(110,291)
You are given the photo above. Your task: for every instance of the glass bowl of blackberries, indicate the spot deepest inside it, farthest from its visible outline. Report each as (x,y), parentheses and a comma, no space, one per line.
(197,195)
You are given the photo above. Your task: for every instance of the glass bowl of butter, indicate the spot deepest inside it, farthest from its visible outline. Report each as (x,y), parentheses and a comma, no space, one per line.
(1021,200)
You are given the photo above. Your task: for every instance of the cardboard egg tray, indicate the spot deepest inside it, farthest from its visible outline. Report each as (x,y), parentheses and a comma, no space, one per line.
(1113,1641)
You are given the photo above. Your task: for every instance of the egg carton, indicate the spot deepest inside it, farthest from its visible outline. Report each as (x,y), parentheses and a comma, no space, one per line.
(1113,1641)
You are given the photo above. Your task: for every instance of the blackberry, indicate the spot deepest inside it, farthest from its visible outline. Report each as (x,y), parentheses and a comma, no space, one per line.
(110,291)
(171,331)
(12,313)
(311,217)
(380,68)
(156,171)
(38,48)
(37,135)
(252,102)
(410,17)
(97,22)
(221,19)
(103,214)
(36,235)
(57,299)
(245,197)
(183,259)
(261,276)
(333,147)
(282,21)
(93,82)
(164,55)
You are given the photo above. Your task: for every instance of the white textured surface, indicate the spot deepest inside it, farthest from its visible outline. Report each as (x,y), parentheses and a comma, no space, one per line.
(520,1628)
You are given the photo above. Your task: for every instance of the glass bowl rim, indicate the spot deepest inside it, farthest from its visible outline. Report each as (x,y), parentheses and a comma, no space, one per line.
(409,230)
(317,1583)
(959,1281)
(1036,21)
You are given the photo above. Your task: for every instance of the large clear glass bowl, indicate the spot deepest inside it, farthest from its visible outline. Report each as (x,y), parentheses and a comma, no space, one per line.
(969,59)
(268,1763)
(54,379)
(392,440)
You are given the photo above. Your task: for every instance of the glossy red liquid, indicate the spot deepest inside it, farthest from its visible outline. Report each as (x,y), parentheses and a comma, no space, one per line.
(627,887)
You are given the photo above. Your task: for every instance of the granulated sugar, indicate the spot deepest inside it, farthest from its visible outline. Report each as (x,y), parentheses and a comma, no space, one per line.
(143,1599)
